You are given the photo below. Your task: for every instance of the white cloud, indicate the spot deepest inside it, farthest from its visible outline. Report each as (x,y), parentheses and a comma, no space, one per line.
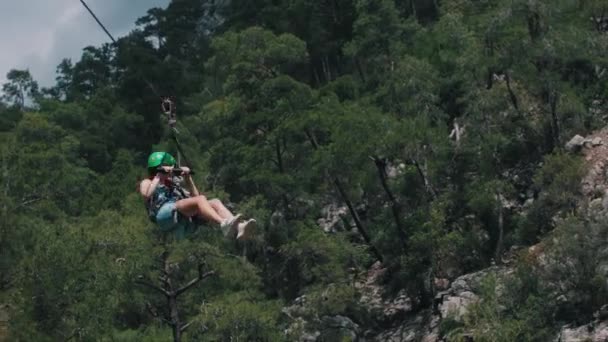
(38,34)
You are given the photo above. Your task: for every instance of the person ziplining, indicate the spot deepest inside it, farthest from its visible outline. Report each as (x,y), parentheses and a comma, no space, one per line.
(171,206)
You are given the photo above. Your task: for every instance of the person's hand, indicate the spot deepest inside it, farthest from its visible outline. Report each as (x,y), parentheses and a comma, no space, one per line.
(185,170)
(167,169)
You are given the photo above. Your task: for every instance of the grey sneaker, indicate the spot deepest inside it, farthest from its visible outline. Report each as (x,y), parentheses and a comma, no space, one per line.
(246,229)
(229,226)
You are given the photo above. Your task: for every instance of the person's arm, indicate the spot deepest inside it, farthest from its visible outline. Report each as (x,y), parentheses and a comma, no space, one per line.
(193,189)
(147,187)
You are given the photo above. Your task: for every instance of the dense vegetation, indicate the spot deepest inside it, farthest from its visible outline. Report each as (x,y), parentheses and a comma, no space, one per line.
(431,122)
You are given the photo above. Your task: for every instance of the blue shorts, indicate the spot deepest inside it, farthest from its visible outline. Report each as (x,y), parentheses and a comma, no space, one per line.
(164,217)
(165,220)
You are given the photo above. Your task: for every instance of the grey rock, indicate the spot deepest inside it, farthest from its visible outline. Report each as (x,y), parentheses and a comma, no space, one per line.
(332,221)
(394,171)
(462,293)
(372,296)
(597,141)
(575,144)
(596,204)
(456,307)
(421,327)
(310,337)
(592,332)
(602,313)
(336,328)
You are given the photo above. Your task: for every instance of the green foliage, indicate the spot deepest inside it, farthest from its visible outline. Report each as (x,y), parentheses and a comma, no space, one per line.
(19,88)
(508,310)
(239,317)
(559,178)
(576,267)
(313,258)
(297,111)
(558,181)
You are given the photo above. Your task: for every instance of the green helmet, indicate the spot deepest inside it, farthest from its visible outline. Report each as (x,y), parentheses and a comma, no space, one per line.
(157,159)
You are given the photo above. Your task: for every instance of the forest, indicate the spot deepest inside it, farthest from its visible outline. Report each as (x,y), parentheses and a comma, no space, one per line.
(423,138)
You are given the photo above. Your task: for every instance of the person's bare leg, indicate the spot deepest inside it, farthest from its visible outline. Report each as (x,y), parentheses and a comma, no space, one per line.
(220,208)
(198,205)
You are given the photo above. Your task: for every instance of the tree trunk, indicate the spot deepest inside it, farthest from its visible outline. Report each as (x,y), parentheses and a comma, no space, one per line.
(499,242)
(553,99)
(174,320)
(325,67)
(489,79)
(511,93)
(281,169)
(437,8)
(413,9)
(395,206)
(279,153)
(171,293)
(457,133)
(6,178)
(360,69)
(427,184)
(358,223)
(534,25)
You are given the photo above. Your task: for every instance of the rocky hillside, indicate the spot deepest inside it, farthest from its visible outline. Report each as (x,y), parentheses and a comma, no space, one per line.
(394,319)
(426,138)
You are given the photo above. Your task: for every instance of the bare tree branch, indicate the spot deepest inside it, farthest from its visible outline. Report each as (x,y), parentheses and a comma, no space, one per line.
(152,286)
(194,281)
(185,326)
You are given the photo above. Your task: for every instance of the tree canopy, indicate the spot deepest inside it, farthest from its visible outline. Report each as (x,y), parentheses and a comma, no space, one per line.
(407,132)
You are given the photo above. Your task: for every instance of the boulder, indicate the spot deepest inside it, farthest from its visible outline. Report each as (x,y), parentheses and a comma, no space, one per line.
(597,141)
(332,218)
(592,332)
(385,310)
(575,144)
(454,302)
(421,327)
(338,328)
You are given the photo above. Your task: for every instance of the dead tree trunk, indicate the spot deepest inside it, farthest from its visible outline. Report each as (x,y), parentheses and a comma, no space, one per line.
(457,133)
(171,293)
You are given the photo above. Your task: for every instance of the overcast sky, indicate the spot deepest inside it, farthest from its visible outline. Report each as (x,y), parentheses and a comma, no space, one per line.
(38,34)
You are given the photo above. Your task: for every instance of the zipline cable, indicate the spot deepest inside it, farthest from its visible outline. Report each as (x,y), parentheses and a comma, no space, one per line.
(116,43)
(98,21)
(167,105)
